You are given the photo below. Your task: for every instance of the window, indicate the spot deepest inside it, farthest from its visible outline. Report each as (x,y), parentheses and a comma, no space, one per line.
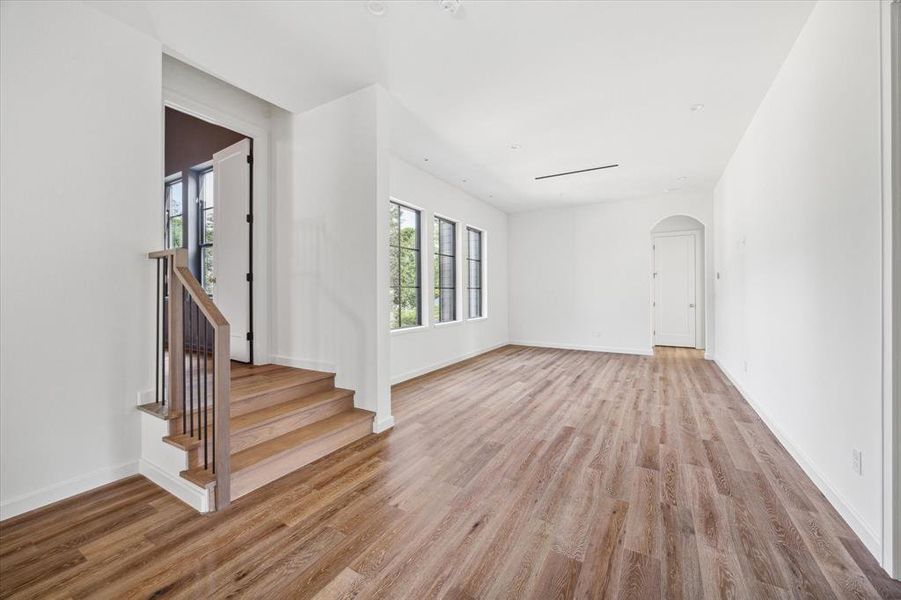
(406,293)
(474,271)
(205,224)
(174,214)
(445,307)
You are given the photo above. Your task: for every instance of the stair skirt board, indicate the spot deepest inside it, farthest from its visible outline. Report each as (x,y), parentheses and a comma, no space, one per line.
(193,495)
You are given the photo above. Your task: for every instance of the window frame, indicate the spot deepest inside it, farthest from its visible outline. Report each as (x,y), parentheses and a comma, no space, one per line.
(201,222)
(170,182)
(483,245)
(457,316)
(398,327)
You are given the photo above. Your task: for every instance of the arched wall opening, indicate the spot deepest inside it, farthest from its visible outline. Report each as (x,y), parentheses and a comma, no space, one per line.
(679,282)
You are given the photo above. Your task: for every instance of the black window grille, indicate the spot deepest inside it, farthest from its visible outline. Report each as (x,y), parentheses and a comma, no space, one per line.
(474,271)
(406,290)
(445,306)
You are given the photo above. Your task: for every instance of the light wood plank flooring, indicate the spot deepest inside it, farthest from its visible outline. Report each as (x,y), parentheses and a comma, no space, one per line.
(523,473)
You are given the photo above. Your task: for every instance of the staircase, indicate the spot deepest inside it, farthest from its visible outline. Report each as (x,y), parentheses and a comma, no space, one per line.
(268,421)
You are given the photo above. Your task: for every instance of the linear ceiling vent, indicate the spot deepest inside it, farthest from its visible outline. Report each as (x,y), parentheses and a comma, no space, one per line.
(574,172)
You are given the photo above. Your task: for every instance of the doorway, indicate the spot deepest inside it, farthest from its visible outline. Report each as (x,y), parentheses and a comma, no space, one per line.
(208,207)
(677,246)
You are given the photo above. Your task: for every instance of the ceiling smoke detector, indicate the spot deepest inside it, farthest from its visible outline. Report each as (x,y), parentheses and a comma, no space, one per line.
(376,8)
(449,6)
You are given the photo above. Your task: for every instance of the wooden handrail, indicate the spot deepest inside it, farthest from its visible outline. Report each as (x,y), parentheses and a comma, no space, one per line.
(180,280)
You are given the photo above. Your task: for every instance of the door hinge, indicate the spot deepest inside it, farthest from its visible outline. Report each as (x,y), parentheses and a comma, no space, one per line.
(250,277)
(249,336)
(250,159)
(655,274)
(249,218)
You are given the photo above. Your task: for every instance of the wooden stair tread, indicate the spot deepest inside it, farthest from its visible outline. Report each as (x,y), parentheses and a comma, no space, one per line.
(276,411)
(261,453)
(156,409)
(262,416)
(272,380)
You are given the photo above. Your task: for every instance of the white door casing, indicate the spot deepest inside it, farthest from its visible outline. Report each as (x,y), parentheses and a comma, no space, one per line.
(675,305)
(231,243)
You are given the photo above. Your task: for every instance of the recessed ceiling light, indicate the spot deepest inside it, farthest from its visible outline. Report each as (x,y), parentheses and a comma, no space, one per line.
(696,107)
(425,159)
(463,180)
(491,195)
(673,189)
(515,146)
(683,178)
(376,8)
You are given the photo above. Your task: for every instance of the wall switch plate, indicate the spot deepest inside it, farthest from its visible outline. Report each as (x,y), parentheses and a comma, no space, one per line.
(857,461)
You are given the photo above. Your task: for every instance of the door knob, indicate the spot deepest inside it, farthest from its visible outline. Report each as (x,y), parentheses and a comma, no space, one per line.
(691,306)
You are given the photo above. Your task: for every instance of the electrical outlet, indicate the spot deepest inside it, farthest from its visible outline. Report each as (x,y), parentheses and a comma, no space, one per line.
(857,461)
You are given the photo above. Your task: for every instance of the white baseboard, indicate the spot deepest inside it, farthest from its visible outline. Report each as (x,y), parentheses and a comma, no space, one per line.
(610,349)
(395,379)
(65,489)
(708,356)
(380,425)
(300,363)
(194,496)
(866,535)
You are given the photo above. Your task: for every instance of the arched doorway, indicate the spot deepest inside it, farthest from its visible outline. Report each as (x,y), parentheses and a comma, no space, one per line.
(678,306)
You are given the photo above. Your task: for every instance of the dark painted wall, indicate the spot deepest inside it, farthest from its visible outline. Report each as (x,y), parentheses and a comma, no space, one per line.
(190,141)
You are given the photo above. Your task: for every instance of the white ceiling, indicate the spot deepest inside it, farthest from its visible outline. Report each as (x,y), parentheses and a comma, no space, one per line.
(575,84)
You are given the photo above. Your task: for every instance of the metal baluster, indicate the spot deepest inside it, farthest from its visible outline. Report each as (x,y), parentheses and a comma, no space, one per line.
(184,372)
(214,404)
(190,384)
(157,377)
(206,328)
(196,335)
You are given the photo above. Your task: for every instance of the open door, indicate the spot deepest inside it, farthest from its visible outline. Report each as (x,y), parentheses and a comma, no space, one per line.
(674,290)
(231,240)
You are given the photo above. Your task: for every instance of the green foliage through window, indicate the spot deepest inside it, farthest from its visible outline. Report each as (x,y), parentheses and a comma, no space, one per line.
(405,256)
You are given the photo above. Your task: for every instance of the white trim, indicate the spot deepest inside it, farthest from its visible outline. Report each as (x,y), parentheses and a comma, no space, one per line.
(65,489)
(380,425)
(708,356)
(443,363)
(403,330)
(261,207)
(890,30)
(608,349)
(870,540)
(440,324)
(475,319)
(194,496)
(301,363)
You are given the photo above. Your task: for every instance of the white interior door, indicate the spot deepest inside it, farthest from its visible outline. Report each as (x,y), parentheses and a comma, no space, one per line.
(231,243)
(674,290)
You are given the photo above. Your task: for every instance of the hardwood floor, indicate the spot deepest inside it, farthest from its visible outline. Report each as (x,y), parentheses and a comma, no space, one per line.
(523,473)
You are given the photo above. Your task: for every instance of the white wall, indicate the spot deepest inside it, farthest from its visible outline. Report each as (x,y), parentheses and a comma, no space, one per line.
(330,225)
(580,277)
(423,349)
(798,246)
(81,162)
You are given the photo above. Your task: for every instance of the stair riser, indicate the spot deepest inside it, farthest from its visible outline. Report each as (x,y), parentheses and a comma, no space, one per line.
(246,481)
(242,440)
(268,399)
